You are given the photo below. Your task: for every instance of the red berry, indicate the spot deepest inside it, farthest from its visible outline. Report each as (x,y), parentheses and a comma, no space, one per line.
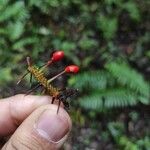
(72,69)
(58,55)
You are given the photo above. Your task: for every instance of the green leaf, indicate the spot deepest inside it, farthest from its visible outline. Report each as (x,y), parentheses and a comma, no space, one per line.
(87,43)
(5,76)
(15,30)
(133,10)
(12,10)
(110,98)
(3,3)
(92,102)
(108,26)
(129,77)
(144,100)
(119,98)
(24,42)
(90,80)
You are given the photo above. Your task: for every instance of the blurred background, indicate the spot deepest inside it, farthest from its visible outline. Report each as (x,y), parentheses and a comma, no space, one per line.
(109,40)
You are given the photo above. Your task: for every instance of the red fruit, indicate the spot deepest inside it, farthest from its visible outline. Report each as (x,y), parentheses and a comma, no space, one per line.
(58,55)
(72,69)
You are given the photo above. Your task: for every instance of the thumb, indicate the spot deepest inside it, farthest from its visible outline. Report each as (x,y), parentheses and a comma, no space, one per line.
(44,129)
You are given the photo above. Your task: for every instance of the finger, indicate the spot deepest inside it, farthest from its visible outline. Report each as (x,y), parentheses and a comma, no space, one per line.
(44,129)
(15,109)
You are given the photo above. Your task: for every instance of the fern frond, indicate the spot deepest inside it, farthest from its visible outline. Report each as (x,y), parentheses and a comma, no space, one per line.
(144,100)
(119,98)
(91,80)
(24,42)
(93,101)
(15,30)
(13,10)
(129,77)
(3,3)
(109,99)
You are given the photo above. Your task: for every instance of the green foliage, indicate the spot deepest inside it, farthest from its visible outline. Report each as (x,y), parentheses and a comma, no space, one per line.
(90,80)
(108,99)
(87,43)
(133,10)
(36,27)
(108,26)
(117,129)
(92,34)
(117,86)
(15,10)
(5,75)
(127,76)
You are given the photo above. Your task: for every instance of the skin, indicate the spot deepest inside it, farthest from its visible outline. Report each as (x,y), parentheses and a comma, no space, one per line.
(19,119)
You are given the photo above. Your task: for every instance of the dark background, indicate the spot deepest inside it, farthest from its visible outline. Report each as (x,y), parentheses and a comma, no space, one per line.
(109,40)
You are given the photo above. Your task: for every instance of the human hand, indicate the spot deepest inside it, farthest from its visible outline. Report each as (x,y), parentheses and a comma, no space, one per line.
(32,123)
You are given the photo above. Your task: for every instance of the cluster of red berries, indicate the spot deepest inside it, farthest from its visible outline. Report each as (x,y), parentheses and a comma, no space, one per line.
(57,56)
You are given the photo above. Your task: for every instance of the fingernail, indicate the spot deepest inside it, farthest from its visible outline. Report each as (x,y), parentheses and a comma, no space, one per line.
(52,127)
